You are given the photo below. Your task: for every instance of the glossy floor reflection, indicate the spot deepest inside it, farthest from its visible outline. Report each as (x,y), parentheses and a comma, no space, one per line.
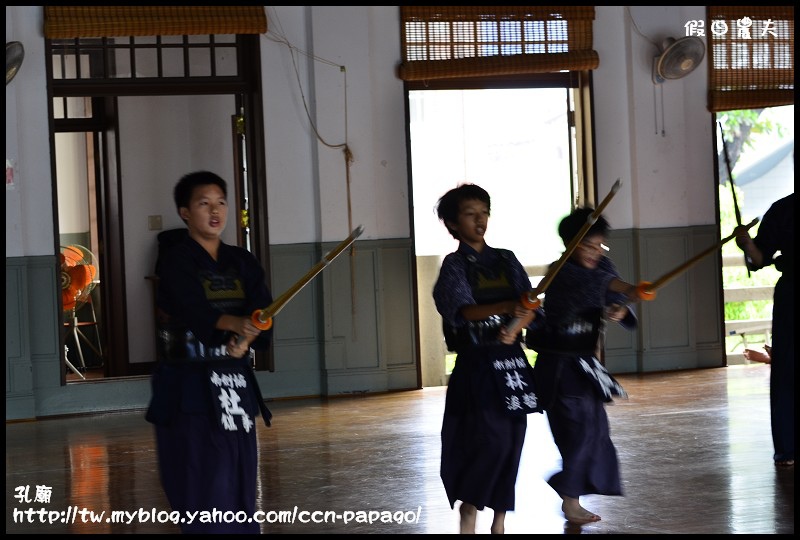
(694,447)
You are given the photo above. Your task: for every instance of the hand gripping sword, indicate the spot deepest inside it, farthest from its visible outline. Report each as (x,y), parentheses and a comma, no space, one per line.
(531,299)
(647,290)
(262,318)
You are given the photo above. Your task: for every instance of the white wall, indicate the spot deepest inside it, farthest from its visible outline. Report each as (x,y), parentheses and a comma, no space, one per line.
(667,180)
(293,201)
(73,184)
(156,152)
(29,206)
(666,167)
(361,106)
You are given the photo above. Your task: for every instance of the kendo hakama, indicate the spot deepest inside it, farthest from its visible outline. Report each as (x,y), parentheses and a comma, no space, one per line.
(490,391)
(579,425)
(573,386)
(206,441)
(481,441)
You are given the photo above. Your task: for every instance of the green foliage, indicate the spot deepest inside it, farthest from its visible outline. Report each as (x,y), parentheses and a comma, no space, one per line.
(449,363)
(737,276)
(745,311)
(734,123)
(742,125)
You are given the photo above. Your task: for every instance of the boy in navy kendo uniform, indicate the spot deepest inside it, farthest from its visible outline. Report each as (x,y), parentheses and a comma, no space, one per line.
(490,391)
(206,399)
(583,297)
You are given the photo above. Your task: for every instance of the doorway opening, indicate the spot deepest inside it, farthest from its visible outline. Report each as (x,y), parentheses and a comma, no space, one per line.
(131,115)
(520,144)
(760,147)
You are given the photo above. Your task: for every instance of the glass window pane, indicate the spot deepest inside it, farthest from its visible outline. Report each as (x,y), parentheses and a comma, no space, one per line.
(199,63)
(146,63)
(58,108)
(172,59)
(225,58)
(122,63)
(76,107)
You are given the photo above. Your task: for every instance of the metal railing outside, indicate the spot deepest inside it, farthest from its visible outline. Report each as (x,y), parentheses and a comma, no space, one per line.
(753,332)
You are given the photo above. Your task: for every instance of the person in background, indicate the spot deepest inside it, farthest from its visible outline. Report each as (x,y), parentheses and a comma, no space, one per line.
(573,386)
(205,395)
(477,293)
(765,356)
(776,234)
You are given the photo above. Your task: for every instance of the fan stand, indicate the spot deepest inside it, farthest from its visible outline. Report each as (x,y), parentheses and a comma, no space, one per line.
(70,365)
(75,326)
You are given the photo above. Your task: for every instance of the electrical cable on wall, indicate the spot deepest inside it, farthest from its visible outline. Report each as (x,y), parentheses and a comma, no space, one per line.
(658,91)
(279,37)
(675,59)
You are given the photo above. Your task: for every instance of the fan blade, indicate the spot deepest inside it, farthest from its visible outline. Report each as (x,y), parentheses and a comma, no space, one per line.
(680,58)
(68,302)
(80,277)
(72,255)
(15,54)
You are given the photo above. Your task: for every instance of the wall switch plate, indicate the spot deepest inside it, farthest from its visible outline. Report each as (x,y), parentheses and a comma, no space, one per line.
(154,223)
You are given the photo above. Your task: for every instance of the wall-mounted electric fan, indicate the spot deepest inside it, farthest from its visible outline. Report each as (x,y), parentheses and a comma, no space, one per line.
(15,54)
(678,58)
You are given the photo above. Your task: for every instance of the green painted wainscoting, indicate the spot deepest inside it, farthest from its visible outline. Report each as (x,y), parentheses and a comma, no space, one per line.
(352,330)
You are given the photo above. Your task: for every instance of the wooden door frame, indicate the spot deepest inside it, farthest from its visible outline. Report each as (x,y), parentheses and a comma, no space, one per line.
(246,89)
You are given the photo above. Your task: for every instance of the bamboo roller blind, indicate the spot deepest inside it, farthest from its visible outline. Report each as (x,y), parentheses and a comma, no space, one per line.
(752,69)
(473,41)
(63,22)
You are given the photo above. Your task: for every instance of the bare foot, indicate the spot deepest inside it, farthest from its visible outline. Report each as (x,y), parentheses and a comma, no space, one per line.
(499,523)
(575,513)
(468,515)
(758,356)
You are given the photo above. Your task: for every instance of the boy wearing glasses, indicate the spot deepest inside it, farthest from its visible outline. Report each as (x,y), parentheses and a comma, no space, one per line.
(573,386)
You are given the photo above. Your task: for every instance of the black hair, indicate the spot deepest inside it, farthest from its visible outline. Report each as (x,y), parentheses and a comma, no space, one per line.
(570,225)
(449,204)
(186,186)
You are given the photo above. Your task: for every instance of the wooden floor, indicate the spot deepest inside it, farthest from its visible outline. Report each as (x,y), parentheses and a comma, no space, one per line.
(694,447)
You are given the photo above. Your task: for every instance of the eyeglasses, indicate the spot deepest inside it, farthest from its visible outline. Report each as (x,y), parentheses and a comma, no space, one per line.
(592,246)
